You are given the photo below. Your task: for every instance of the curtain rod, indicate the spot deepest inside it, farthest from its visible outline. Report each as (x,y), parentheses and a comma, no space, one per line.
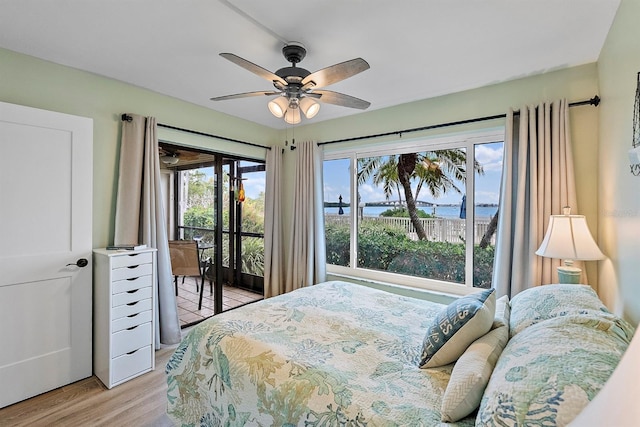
(127,118)
(593,101)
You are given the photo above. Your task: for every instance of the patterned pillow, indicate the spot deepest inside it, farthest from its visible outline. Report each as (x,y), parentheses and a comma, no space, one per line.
(503,312)
(548,301)
(456,327)
(551,370)
(472,370)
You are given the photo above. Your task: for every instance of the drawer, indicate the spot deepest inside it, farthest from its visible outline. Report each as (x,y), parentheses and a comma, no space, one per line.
(130,321)
(129,340)
(131,296)
(131,272)
(130,308)
(131,364)
(131,284)
(131,259)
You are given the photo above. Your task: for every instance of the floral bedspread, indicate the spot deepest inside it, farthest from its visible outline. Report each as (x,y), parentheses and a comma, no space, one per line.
(330,355)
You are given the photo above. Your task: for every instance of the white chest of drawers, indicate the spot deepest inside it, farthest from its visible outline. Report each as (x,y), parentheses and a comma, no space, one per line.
(123,314)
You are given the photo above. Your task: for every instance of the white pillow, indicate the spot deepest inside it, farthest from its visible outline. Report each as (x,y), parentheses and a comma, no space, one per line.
(456,327)
(471,374)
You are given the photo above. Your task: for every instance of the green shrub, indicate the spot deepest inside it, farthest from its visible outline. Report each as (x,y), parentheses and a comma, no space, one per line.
(337,243)
(404,213)
(253,256)
(387,248)
(379,244)
(483,266)
(197,216)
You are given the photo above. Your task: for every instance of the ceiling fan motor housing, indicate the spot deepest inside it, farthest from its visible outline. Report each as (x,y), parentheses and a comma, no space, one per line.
(294,52)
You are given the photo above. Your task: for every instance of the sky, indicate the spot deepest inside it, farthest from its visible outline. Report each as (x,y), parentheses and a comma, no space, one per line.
(254,184)
(336,181)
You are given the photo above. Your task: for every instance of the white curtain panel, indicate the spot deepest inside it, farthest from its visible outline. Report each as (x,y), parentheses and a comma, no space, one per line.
(307,263)
(273,240)
(140,216)
(537,181)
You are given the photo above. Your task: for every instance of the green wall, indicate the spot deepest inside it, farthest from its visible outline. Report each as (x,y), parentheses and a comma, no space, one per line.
(619,202)
(35,83)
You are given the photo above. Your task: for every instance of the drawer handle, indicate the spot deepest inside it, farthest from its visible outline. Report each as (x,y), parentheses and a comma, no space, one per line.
(133,291)
(133,266)
(132,303)
(133,278)
(131,352)
(132,328)
(133,315)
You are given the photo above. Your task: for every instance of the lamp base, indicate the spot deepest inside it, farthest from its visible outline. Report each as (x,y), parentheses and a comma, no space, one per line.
(569,274)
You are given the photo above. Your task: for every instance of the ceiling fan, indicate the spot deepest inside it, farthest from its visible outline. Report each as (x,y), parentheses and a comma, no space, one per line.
(298,89)
(172,157)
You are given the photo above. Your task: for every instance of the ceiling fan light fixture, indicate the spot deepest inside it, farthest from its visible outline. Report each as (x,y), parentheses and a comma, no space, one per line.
(292,116)
(169,160)
(278,106)
(309,107)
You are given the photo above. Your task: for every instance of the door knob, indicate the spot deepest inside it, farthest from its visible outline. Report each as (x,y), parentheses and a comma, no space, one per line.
(82,262)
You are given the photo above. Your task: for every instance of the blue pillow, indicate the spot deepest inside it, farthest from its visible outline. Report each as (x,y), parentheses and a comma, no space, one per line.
(456,327)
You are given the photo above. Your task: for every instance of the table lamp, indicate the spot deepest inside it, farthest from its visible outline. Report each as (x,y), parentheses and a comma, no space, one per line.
(568,238)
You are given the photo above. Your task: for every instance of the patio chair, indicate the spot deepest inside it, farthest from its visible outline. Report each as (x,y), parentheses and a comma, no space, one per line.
(185,261)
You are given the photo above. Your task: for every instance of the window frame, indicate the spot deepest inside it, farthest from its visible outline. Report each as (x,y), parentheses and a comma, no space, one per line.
(465,140)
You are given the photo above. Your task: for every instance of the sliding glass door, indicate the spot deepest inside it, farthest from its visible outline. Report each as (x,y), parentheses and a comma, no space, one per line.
(218,201)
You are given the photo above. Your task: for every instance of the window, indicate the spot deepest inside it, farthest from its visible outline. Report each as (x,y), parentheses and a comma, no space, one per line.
(421,213)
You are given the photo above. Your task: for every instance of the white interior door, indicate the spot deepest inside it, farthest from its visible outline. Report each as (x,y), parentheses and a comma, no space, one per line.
(45,225)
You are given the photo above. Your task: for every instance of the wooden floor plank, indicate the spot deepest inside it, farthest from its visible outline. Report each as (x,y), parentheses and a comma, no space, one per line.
(139,402)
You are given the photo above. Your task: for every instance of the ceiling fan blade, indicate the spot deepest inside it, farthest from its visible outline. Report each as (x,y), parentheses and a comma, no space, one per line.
(336,73)
(340,99)
(255,69)
(245,95)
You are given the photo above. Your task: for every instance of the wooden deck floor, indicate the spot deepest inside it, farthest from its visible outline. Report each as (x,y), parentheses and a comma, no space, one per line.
(188,300)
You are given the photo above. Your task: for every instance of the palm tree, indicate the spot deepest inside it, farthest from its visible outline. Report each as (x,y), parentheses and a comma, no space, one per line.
(383,171)
(438,170)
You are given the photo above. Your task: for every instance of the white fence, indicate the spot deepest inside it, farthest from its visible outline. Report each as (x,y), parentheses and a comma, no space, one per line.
(450,230)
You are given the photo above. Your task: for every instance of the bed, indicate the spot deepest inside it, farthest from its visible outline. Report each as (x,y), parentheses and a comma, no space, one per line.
(340,354)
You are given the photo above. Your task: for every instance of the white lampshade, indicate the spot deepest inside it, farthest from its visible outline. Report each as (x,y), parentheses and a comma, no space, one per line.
(278,106)
(568,238)
(309,107)
(292,116)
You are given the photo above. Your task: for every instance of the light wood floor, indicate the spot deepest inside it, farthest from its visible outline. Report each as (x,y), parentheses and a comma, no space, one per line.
(139,402)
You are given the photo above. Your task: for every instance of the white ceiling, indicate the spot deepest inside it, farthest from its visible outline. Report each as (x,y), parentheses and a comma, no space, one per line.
(417,49)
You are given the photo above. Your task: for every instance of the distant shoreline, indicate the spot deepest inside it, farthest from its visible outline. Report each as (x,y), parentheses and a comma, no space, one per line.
(483,210)
(392,206)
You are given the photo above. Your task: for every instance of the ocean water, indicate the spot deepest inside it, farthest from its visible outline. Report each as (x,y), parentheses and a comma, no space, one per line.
(440,211)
